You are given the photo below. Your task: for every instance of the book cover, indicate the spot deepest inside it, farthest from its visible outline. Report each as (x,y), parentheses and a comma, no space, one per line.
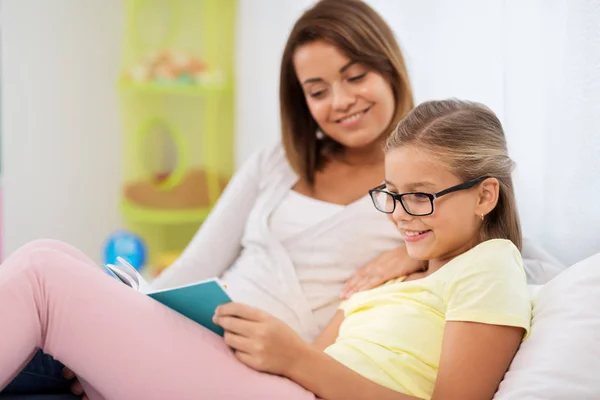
(197,301)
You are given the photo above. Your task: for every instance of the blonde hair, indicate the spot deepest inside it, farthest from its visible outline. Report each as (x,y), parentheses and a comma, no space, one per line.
(468,139)
(364,37)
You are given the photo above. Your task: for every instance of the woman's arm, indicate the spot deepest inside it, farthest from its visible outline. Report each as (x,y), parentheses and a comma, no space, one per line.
(218,242)
(539,265)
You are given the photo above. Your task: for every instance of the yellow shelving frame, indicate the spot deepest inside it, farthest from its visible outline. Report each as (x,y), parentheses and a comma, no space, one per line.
(203,29)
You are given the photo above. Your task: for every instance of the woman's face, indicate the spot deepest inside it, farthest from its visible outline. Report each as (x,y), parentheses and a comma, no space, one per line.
(350,102)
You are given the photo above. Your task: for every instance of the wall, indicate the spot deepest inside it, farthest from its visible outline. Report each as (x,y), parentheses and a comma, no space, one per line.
(60,124)
(536,63)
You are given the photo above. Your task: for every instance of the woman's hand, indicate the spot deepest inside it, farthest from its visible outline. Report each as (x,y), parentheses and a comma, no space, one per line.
(389,265)
(261,341)
(76,387)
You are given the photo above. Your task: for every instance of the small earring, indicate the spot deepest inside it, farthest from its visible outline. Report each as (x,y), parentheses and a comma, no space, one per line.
(319,134)
(482,217)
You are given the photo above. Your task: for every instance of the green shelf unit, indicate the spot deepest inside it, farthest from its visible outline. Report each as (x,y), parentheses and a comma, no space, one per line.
(147,215)
(176,89)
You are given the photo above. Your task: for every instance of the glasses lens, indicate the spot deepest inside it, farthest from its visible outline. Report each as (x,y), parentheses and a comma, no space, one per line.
(417,203)
(383,201)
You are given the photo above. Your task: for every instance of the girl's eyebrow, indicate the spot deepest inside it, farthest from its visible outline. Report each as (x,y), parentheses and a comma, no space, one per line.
(414,185)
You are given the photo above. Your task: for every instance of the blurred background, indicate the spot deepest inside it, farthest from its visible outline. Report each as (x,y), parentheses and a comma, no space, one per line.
(131,115)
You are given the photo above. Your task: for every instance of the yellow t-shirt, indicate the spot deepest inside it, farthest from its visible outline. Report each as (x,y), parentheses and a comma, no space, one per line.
(392,335)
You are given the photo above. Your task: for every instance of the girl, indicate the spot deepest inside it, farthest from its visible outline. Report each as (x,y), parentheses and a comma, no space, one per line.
(448,332)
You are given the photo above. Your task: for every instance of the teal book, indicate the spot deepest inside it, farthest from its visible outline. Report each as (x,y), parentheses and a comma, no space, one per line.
(197,301)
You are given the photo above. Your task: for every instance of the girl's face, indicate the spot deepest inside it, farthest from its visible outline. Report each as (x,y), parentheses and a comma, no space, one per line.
(351,103)
(454,226)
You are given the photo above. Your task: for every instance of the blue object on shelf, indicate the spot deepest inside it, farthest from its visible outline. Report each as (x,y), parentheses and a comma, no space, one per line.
(127,245)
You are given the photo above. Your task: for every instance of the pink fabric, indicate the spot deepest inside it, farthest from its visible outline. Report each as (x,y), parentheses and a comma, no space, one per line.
(121,343)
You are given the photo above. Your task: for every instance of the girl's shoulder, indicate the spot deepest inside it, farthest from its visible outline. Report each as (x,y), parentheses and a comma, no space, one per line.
(494,257)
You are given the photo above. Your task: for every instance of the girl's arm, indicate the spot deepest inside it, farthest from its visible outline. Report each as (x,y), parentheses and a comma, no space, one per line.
(218,242)
(266,344)
(330,333)
(330,380)
(474,358)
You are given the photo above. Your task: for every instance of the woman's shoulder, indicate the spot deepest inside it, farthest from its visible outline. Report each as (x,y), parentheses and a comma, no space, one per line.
(269,157)
(268,162)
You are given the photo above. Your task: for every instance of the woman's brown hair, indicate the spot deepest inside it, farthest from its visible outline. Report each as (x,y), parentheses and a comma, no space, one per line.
(468,139)
(364,37)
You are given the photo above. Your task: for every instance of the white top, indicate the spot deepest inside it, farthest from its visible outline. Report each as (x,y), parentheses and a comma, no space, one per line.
(295,214)
(237,244)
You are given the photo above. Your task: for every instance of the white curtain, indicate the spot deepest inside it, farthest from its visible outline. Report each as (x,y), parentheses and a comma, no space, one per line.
(552,117)
(535,62)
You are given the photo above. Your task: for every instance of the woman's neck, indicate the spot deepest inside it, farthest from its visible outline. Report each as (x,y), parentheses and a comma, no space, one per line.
(370,155)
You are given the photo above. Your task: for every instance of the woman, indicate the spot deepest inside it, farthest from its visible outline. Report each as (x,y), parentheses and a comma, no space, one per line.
(447,332)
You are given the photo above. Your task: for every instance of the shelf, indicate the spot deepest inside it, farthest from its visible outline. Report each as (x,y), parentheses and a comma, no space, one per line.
(136,213)
(173,88)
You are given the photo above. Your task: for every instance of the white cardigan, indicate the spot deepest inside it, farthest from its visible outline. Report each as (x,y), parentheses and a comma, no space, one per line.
(235,243)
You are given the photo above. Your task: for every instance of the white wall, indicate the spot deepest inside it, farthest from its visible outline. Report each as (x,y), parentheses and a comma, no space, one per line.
(60,123)
(536,63)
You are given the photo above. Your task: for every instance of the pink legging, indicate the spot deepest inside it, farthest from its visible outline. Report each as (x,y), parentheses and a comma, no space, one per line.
(122,344)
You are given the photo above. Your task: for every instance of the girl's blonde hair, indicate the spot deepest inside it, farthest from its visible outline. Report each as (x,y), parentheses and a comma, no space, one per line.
(468,139)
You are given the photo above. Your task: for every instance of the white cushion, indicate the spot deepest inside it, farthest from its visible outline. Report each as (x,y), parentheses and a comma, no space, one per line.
(540,266)
(561,357)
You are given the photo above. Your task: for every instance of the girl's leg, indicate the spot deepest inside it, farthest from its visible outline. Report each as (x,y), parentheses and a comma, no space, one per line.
(121,342)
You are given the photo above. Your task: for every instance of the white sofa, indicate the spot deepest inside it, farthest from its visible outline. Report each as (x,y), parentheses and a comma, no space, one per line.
(560,360)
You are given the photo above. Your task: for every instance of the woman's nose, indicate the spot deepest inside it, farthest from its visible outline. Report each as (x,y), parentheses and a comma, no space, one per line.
(343,98)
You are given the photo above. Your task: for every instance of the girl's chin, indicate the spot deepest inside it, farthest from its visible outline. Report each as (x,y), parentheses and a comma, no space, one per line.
(418,251)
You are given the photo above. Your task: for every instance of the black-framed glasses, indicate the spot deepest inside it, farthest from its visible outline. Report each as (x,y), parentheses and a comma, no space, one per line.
(417,204)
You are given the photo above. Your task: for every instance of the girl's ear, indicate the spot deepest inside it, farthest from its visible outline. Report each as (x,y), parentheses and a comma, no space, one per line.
(488,194)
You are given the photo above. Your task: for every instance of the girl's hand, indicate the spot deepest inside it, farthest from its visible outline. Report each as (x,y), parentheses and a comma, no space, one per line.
(261,341)
(392,264)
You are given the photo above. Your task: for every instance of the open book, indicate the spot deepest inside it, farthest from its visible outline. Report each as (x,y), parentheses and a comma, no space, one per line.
(197,301)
